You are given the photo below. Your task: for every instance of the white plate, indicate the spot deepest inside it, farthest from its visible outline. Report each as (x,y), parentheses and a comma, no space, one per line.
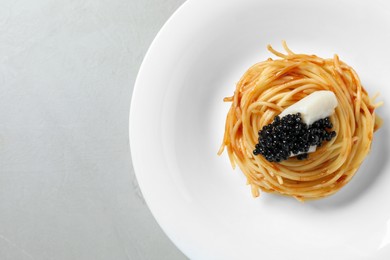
(177,122)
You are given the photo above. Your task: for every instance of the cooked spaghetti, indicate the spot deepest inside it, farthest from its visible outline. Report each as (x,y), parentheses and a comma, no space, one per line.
(265,90)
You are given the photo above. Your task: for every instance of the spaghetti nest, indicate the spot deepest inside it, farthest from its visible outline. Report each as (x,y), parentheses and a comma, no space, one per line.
(265,90)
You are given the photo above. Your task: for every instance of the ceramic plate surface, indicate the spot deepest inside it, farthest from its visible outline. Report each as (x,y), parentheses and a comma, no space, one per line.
(177,121)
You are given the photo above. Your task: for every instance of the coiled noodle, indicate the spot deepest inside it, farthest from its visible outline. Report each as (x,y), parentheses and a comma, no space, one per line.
(265,90)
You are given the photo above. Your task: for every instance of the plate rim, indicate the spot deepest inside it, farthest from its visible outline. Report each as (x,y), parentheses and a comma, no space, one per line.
(131,126)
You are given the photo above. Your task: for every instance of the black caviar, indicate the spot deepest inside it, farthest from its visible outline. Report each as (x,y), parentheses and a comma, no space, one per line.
(289,135)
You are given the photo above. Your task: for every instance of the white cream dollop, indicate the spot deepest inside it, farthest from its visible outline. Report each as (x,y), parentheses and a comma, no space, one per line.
(319,104)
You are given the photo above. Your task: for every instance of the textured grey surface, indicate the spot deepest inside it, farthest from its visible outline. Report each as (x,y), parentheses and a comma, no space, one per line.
(67,187)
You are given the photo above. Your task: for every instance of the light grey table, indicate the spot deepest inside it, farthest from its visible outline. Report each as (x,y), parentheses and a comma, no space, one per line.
(67,187)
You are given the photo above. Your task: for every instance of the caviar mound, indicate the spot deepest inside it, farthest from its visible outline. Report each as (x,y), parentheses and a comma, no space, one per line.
(288,136)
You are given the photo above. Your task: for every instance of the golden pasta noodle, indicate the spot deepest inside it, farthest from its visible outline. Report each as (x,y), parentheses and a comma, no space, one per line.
(265,90)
